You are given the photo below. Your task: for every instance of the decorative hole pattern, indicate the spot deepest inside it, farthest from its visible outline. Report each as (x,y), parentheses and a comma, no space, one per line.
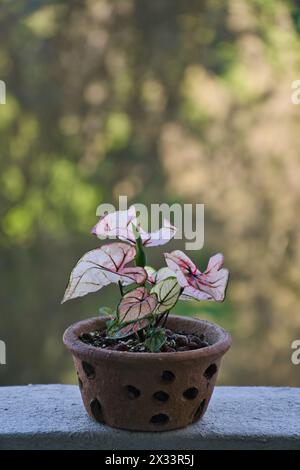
(160,419)
(133,392)
(210,371)
(161,396)
(89,370)
(190,393)
(168,376)
(96,410)
(167,396)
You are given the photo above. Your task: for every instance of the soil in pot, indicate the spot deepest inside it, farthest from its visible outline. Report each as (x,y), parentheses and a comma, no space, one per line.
(175,341)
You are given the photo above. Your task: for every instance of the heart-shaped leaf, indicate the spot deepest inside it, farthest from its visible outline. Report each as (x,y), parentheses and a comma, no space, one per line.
(121,225)
(137,304)
(155,340)
(105,311)
(154,277)
(101,267)
(130,328)
(167,292)
(208,285)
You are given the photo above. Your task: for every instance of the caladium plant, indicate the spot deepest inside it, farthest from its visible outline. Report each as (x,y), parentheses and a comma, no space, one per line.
(146,295)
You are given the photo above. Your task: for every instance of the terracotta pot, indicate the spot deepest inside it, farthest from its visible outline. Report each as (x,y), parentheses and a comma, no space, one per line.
(147,391)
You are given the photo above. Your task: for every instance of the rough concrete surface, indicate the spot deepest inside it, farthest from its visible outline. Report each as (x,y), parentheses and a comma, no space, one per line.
(53,417)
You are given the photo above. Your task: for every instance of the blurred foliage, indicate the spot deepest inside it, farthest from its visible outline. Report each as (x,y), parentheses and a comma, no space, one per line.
(166,102)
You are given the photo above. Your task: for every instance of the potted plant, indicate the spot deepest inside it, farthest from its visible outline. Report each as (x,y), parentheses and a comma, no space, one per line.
(139,367)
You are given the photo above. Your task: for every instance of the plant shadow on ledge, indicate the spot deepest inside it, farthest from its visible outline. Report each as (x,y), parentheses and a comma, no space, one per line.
(138,367)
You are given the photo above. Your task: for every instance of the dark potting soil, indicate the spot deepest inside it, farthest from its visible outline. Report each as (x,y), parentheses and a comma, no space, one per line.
(175,342)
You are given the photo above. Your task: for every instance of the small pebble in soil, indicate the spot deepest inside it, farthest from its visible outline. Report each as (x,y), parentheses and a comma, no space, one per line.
(177,341)
(181,340)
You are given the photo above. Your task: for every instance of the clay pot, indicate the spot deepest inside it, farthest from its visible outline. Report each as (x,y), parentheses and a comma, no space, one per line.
(147,391)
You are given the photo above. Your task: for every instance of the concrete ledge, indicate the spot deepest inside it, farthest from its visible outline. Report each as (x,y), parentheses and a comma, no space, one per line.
(53,417)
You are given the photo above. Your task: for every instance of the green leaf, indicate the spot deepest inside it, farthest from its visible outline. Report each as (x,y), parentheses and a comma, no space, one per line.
(107,311)
(167,292)
(112,326)
(140,257)
(155,340)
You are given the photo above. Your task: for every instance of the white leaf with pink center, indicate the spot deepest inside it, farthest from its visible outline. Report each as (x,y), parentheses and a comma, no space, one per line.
(209,285)
(121,225)
(136,304)
(101,267)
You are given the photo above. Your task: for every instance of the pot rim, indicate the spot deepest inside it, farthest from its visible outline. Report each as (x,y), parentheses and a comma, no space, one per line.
(77,347)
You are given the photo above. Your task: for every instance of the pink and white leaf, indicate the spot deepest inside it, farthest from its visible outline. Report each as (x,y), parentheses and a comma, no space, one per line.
(215,278)
(131,328)
(101,267)
(120,224)
(136,305)
(190,293)
(155,277)
(159,237)
(117,225)
(215,262)
(181,265)
(209,285)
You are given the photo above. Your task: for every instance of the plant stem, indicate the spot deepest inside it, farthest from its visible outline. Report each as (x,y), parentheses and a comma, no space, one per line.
(121,288)
(158,320)
(161,317)
(166,318)
(140,256)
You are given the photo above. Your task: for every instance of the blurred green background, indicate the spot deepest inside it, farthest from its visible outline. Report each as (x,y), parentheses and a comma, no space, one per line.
(163,101)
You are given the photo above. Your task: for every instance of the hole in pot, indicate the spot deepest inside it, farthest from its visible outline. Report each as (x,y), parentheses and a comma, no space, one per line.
(210,371)
(88,370)
(161,418)
(168,376)
(96,410)
(199,410)
(133,392)
(161,396)
(190,393)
